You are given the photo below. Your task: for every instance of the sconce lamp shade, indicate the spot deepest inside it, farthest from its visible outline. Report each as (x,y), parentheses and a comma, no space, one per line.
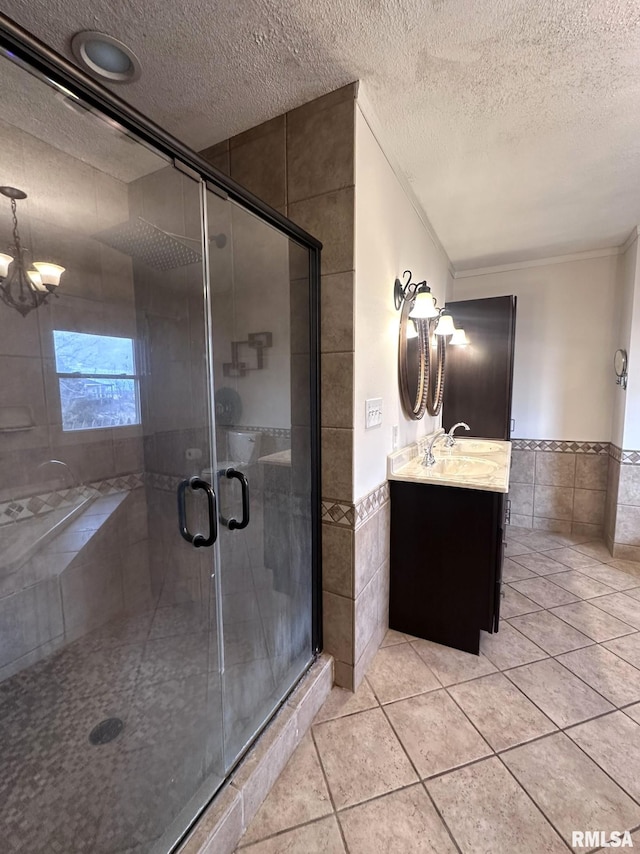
(5,260)
(445,326)
(459,337)
(49,273)
(424,306)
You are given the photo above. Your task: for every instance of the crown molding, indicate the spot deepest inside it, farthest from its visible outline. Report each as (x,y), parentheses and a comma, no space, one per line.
(633,236)
(586,255)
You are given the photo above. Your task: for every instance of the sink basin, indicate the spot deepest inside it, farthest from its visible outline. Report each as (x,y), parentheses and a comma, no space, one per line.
(461,467)
(475,446)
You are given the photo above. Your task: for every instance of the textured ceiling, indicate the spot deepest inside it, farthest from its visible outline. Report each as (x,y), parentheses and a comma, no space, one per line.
(516,123)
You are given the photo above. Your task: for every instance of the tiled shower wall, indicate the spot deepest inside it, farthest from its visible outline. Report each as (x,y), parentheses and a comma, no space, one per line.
(559,486)
(80,577)
(622,513)
(302,164)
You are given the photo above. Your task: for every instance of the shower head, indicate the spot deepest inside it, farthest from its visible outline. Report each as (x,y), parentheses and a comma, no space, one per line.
(145,242)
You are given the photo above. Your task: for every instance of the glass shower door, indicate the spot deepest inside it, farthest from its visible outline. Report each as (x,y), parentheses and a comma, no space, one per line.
(259,303)
(110,692)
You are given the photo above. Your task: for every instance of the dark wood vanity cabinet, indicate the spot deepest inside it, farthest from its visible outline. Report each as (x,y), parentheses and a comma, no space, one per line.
(446,562)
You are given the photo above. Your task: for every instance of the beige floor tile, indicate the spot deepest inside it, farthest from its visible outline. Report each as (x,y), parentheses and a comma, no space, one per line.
(435,733)
(540,564)
(452,665)
(549,632)
(627,647)
(631,567)
(621,606)
(537,540)
(298,796)
(513,547)
(596,549)
(500,711)
(592,621)
(613,741)
(512,571)
(398,672)
(570,557)
(633,712)
(558,693)
(615,679)
(544,592)
(610,576)
(404,822)
(509,648)
(393,637)
(569,788)
(341,702)
(514,603)
(581,585)
(634,593)
(362,757)
(487,811)
(320,837)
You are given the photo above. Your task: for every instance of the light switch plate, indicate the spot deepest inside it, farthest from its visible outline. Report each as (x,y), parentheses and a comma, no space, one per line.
(373,413)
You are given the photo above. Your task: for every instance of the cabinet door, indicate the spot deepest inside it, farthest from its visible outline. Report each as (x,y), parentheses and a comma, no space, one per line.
(479,376)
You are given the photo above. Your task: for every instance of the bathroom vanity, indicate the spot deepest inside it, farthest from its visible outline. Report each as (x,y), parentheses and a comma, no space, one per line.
(447,525)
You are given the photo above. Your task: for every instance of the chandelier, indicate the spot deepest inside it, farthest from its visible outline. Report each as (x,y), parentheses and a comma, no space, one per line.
(20,287)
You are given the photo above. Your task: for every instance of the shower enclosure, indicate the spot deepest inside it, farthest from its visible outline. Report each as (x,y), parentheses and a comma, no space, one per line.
(158,469)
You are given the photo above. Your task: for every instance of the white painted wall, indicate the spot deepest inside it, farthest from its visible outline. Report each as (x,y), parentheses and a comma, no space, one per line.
(626,291)
(390,237)
(626,421)
(566,335)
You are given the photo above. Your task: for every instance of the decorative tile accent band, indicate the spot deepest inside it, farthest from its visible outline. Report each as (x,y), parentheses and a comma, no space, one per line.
(336,513)
(626,458)
(37,505)
(165,482)
(277,432)
(561,446)
(371,503)
(347,515)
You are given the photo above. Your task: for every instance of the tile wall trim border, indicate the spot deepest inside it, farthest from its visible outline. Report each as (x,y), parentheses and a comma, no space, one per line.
(18,509)
(345,514)
(562,446)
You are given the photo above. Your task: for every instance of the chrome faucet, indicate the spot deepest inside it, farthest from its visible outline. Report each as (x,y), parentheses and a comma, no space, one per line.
(450,440)
(429,459)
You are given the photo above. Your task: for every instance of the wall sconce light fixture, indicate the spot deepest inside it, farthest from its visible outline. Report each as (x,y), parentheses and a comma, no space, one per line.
(20,287)
(421,363)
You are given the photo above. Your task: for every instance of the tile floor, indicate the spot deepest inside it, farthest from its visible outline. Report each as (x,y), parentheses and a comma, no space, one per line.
(507,752)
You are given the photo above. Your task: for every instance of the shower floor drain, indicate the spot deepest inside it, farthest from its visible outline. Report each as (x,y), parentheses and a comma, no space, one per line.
(106,731)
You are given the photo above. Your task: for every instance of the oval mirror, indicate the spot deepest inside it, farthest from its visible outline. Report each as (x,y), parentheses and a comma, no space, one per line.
(412,363)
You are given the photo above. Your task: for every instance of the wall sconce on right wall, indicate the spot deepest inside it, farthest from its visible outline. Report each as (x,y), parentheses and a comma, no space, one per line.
(620,366)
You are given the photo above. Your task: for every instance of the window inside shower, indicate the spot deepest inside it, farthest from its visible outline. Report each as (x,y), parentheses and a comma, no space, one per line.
(157,498)
(97,380)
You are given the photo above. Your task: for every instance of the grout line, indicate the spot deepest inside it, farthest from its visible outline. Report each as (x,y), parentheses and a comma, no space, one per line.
(413,765)
(535,804)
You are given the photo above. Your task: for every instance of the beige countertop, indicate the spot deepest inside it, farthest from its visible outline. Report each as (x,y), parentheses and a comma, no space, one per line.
(470,464)
(279,458)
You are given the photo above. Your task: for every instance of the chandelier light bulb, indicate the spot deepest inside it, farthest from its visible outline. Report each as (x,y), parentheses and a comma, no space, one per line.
(50,273)
(5,260)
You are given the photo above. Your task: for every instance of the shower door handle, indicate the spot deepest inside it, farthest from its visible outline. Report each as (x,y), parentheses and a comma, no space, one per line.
(197,540)
(233,524)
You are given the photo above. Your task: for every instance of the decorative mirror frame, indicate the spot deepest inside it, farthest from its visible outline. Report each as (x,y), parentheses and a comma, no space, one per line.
(414,401)
(429,391)
(435,373)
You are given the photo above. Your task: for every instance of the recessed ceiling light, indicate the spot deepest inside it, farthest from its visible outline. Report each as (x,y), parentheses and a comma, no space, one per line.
(106,57)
